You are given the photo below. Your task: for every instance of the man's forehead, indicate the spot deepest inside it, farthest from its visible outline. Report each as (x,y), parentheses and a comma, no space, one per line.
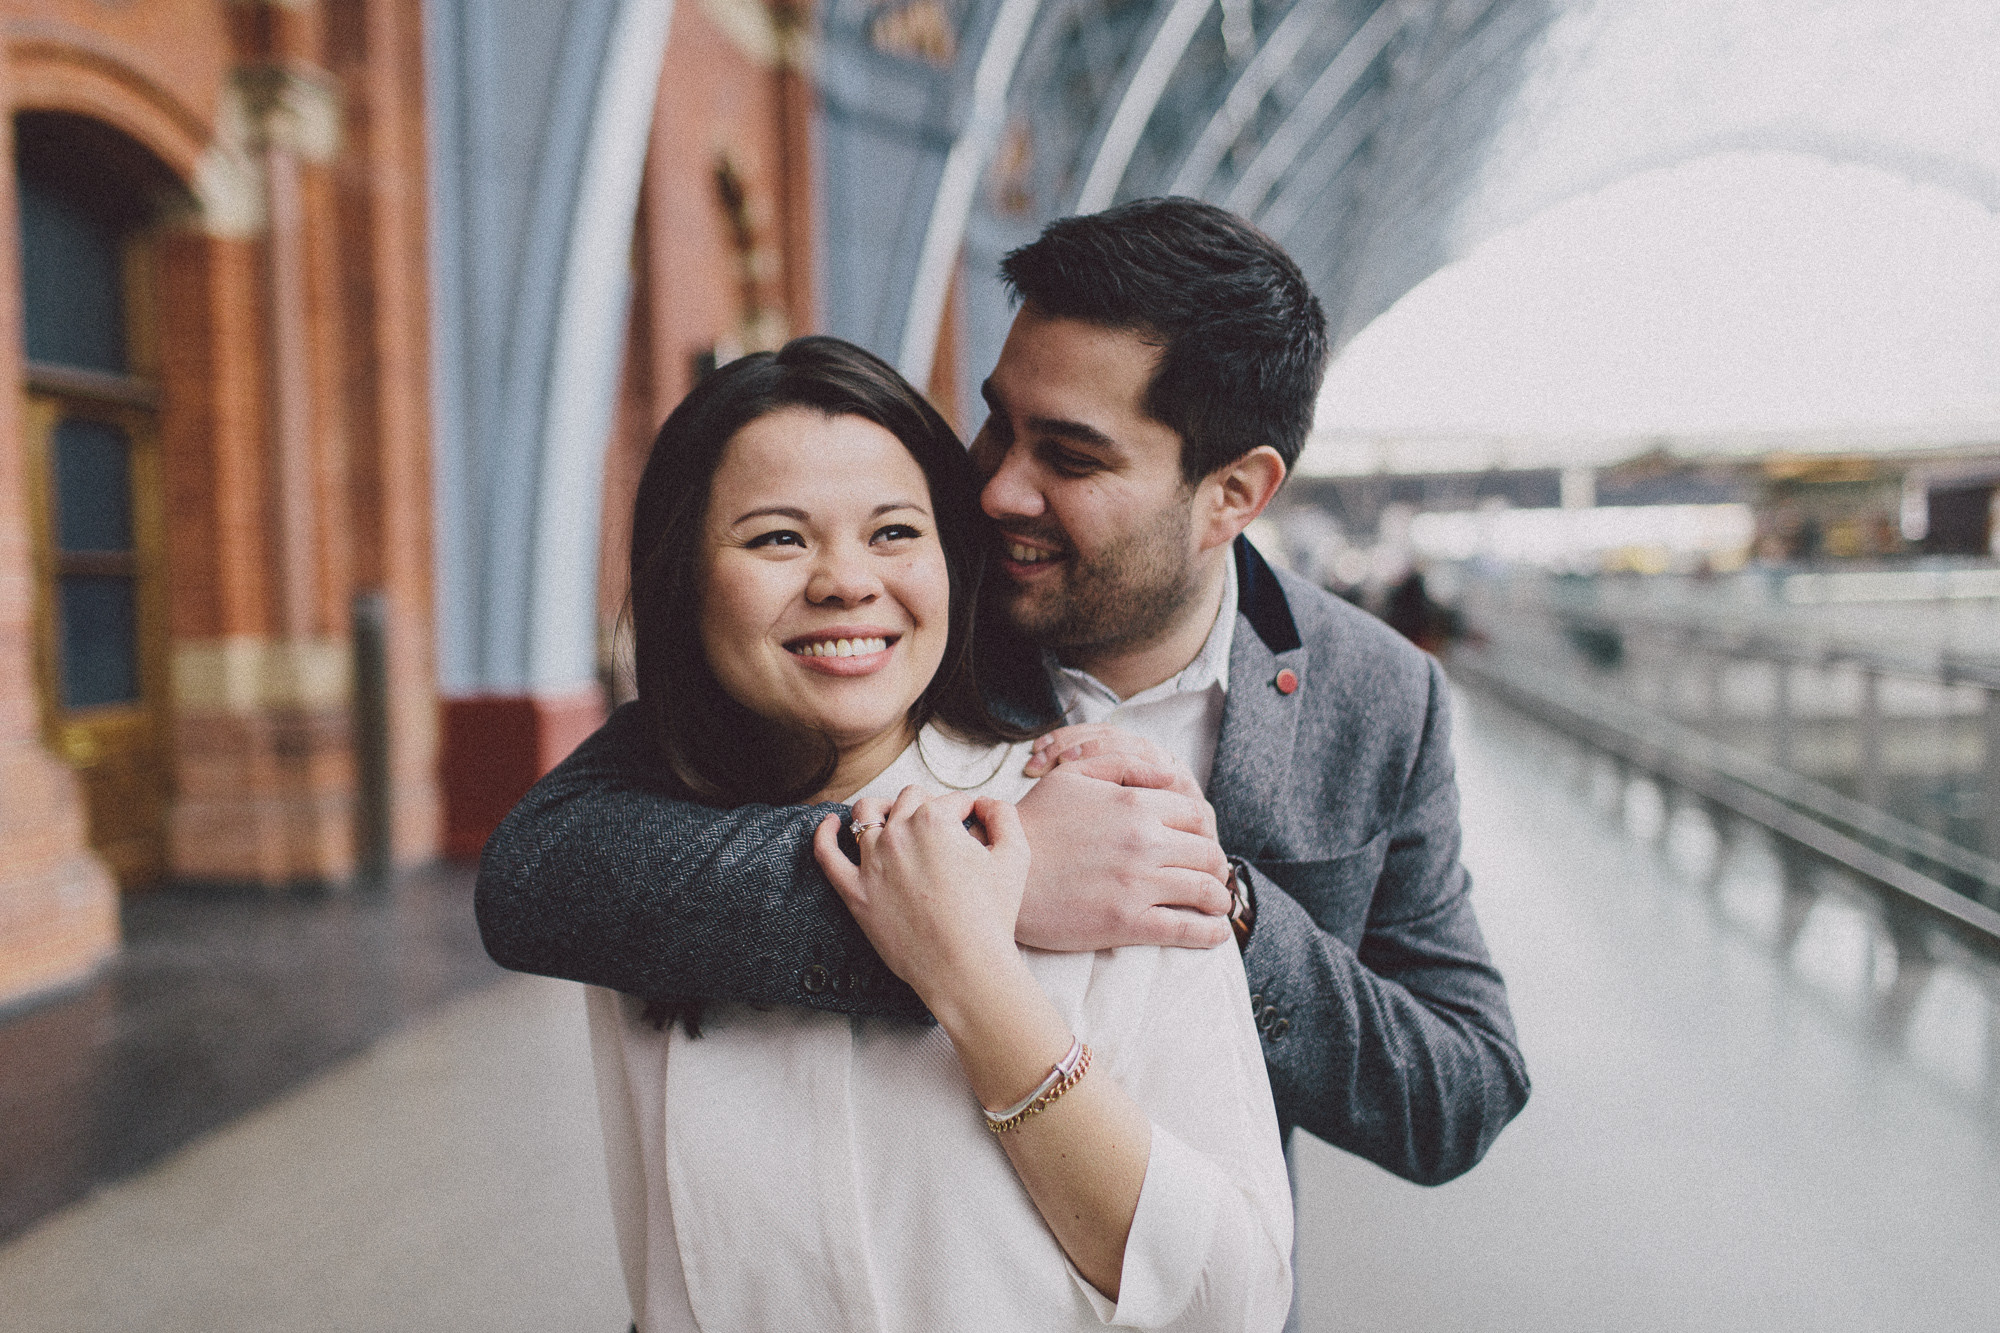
(1071,370)
(1035,328)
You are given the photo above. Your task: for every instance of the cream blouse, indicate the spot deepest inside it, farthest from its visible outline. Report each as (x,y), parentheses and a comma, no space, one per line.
(792,1169)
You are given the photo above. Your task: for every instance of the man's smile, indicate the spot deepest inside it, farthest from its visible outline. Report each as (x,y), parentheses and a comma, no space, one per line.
(1023,558)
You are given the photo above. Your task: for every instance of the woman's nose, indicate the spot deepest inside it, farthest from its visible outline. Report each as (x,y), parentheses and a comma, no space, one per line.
(842,578)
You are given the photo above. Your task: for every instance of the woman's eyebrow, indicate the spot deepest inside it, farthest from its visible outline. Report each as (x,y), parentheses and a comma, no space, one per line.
(801,516)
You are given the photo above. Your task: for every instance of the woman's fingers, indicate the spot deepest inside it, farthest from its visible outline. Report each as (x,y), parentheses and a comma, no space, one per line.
(1002,823)
(843,873)
(908,801)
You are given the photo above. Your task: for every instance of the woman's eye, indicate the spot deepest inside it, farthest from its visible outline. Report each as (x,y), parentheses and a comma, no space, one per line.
(781,537)
(897,532)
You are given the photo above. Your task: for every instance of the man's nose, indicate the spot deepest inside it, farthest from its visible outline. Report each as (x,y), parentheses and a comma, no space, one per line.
(1012,491)
(842,576)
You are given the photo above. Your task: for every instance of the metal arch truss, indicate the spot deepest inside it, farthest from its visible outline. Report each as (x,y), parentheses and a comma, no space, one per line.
(1350,129)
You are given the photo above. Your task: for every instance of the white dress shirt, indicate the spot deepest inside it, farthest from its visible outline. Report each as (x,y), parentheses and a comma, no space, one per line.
(797,1169)
(1183,715)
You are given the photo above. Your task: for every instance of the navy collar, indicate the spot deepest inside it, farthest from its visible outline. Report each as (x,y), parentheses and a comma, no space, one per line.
(1260,599)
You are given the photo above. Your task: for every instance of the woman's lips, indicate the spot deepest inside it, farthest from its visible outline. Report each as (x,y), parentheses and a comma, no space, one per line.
(845,655)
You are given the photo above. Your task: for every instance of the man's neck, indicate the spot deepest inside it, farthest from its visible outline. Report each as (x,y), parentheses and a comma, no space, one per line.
(1127,670)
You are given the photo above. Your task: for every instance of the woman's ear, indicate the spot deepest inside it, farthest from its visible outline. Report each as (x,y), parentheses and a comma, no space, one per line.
(1230,498)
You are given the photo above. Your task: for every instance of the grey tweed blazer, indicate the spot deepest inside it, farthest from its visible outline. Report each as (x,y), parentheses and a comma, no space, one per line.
(1385,1025)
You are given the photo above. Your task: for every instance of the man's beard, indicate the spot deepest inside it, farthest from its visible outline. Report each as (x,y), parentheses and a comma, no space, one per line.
(1124,596)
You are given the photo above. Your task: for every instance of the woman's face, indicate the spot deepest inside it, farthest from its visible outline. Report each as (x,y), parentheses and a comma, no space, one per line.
(825,595)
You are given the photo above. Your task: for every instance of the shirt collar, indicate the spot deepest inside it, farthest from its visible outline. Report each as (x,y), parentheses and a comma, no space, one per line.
(1210,665)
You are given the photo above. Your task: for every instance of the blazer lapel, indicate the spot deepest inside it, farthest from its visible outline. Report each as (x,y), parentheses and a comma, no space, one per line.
(1260,719)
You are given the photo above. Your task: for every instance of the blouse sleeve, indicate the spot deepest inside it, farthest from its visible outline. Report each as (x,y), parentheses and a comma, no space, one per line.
(1211,1242)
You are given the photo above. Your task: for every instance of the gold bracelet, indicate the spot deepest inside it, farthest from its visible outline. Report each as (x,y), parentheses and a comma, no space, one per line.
(1068,1072)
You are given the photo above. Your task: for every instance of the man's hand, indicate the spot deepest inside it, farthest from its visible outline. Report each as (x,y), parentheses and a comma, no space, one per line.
(1122,854)
(1090,740)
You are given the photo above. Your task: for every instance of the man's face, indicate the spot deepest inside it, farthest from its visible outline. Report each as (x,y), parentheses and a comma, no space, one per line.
(1086,487)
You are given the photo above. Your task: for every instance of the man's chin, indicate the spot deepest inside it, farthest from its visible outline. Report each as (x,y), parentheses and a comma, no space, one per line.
(1031,612)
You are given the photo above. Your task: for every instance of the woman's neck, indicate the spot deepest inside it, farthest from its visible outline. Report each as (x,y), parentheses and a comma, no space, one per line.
(864,761)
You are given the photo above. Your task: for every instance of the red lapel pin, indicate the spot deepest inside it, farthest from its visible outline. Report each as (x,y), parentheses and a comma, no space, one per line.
(1287,681)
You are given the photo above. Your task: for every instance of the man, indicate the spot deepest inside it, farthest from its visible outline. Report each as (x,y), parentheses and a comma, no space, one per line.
(1156,385)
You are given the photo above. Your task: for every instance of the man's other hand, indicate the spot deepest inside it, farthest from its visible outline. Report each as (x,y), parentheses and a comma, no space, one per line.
(1121,856)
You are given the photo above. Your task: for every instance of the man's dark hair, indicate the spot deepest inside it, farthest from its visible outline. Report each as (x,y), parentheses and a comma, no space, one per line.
(1242,337)
(714,748)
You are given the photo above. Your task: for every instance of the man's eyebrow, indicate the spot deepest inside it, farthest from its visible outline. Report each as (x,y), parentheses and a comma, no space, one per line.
(1062,428)
(1074,431)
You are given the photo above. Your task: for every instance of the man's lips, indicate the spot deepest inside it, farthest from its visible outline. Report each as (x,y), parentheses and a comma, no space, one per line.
(844,652)
(1024,559)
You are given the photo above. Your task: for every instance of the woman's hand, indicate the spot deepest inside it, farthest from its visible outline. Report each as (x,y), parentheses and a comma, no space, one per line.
(1087,740)
(937,903)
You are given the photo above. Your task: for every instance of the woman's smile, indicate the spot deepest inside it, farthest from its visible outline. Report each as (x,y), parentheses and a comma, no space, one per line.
(843,651)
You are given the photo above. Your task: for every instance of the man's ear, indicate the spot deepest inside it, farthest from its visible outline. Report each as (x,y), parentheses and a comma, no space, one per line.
(1232,496)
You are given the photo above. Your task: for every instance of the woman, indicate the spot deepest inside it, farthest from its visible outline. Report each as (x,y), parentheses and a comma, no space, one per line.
(806,554)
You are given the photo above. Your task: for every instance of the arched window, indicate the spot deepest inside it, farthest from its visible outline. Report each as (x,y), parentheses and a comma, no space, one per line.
(87,197)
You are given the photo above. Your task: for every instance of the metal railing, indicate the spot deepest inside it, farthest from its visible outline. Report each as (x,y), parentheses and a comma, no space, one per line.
(1872,740)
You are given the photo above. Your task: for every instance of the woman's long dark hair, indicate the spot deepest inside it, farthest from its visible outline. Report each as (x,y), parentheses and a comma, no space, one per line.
(718,751)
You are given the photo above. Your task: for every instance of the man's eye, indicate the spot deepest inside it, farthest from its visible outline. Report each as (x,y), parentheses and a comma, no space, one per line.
(896,532)
(1075,465)
(780,537)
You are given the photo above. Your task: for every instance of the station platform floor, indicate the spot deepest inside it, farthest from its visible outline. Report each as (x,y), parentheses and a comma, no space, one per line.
(1756,1107)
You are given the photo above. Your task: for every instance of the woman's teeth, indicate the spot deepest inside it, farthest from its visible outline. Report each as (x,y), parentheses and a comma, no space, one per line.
(842,647)
(1028,555)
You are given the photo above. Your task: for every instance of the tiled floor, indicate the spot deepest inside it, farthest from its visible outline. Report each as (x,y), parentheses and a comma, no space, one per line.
(219,1002)
(450,1179)
(1753,1111)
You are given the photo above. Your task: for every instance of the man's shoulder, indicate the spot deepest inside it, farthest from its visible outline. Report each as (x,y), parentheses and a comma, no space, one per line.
(1362,653)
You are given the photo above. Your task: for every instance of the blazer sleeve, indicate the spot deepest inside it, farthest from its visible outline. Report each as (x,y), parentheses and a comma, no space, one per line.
(600,876)
(1400,1050)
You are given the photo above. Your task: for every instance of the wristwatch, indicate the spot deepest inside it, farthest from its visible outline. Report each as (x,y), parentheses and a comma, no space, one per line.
(1242,901)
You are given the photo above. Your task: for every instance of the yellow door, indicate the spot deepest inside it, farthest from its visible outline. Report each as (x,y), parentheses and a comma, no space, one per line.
(94,464)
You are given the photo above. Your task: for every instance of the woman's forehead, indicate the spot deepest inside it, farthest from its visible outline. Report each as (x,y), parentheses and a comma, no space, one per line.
(805,460)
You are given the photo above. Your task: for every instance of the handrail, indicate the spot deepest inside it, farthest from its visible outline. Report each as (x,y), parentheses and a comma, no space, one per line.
(1793,807)
(1946,668)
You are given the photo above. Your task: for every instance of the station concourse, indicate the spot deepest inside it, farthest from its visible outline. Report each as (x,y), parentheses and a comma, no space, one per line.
(1724,1134)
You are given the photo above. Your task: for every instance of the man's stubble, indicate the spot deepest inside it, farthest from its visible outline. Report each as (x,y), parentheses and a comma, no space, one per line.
(1124,596)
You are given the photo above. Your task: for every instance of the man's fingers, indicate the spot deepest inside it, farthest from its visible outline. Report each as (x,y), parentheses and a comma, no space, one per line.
(1125,771)
(1178,928)
(1066,745)
(1190,889)
(1177,810)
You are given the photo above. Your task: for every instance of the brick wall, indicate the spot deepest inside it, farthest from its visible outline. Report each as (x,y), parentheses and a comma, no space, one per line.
(294,435)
